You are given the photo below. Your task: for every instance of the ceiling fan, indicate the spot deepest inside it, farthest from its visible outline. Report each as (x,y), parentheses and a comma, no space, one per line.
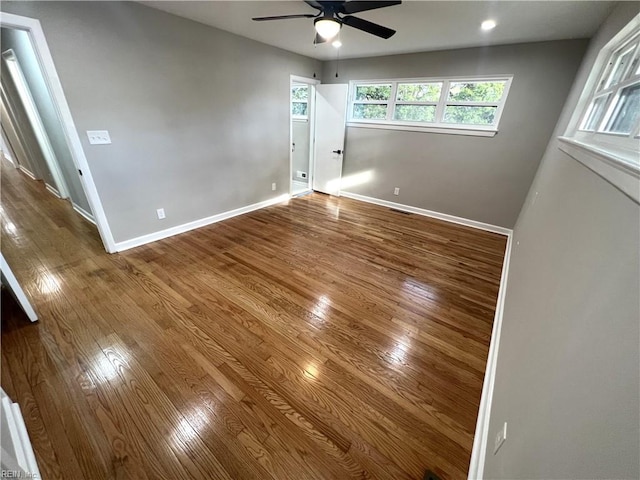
(333,14)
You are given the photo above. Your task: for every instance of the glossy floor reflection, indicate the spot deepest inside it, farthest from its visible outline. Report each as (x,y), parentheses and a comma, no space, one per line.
(323,338)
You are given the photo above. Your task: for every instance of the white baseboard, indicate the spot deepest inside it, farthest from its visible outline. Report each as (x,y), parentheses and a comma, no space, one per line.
(169,232)
(430,213)
(301,193)
(476,467)
(479,451)
(52,190)
(84,213)
(27,172)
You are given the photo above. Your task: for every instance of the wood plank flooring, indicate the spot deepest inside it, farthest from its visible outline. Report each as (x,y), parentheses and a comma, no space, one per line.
(322,338)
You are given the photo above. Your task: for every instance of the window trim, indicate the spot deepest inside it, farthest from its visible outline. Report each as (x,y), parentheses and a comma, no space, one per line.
(439,126)
(619,147)
(617,162)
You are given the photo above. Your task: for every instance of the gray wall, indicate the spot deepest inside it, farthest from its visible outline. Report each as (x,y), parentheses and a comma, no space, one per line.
(568,363)
(301,136)
(11,129)
(483,179)
(18,126)
(19,42)
(198,117)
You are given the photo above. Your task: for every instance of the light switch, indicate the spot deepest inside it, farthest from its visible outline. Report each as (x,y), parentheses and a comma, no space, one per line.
(98,137)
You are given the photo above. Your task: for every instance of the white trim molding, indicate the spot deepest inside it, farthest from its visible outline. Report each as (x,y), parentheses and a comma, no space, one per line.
(27,172)
(36,34)
(51,189)
(619,173)
(311,118)
(16,289)
(481,437)
(458,130)
(87,216)
(185,227)
(430,213)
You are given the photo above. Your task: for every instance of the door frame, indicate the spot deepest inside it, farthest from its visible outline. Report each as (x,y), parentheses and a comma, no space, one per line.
(312,82)
(31,109)
(36,34)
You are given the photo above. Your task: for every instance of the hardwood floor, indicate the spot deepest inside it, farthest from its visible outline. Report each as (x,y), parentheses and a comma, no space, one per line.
(323,338)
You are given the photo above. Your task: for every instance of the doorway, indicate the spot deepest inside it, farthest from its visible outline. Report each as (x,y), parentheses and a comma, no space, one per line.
(76,180)
(32,110)
(302,128)
(24,113)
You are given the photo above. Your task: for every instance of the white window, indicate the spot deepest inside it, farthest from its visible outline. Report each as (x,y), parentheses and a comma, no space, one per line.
(611,119)
(452,105)
(300,102)
(604,132)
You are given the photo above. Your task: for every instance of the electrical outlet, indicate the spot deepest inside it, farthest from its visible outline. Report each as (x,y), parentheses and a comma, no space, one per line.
(501,437)
(273,186)
(98,137)
(396,191)
(160,213)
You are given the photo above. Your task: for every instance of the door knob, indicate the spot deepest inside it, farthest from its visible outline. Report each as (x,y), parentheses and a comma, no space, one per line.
(337,151)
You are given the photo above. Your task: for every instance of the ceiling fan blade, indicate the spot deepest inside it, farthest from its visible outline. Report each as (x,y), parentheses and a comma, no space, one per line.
(357,6)
(319,39)
(369,27)
(314,4)
(284,17)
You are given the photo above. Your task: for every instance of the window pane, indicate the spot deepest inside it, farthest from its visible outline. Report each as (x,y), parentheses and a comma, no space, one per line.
(619,67)
(373,92)
(476,91)
(299,108)
(627,110)
(300,93)
(469,115)
(594,114)
(419,92)
(369,112)
(415,113)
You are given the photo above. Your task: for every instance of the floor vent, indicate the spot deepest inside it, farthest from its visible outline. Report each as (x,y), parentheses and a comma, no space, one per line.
(400,211)
(429,475)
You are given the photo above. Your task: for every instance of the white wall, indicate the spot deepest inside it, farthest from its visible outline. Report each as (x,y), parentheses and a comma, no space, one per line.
(568,369)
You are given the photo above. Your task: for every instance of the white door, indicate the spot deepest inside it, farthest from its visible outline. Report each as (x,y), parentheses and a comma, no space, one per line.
(331,116)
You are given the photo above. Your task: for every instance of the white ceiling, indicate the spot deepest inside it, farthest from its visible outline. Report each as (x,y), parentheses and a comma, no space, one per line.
(421,25)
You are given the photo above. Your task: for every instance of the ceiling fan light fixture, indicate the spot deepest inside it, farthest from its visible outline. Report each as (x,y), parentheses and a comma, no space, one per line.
(327,28)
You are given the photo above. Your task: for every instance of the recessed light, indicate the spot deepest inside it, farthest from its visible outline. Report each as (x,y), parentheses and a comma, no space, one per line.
(337,44)
(488,25)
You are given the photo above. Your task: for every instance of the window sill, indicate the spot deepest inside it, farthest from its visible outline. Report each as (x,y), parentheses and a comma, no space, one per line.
(619,171)
(475,132)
